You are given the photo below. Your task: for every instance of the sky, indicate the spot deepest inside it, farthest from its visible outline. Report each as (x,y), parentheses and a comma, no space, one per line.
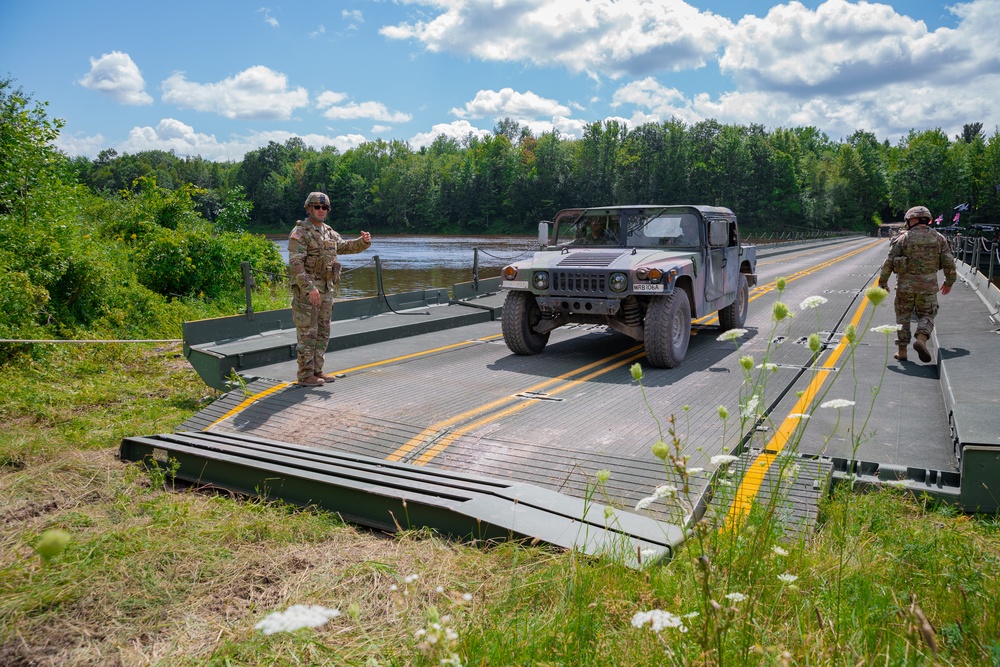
(219,78)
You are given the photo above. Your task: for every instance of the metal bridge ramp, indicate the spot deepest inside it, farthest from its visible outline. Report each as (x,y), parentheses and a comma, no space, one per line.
(394,496)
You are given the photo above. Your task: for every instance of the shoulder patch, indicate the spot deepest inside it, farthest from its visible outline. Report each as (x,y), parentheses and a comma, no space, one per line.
(295,234)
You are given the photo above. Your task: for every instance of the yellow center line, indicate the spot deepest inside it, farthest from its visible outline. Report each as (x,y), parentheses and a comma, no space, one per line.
(248,401)
(446,441)
(417,440)
(754,477)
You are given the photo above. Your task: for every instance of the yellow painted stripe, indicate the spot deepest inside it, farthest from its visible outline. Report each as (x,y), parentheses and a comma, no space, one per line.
(248,401)
(754,476)
(421,437)
(446,441)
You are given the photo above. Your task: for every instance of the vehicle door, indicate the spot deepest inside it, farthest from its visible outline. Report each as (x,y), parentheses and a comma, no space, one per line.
(723,258)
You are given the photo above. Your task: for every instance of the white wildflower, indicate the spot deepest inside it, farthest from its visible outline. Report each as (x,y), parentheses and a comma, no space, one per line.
(296,617)
(731,335)
(410,578)
(664,491)
(695,471)
(467,597)
(749,408)
(768,366)
(778,550)
(723,459)
(812,302)
(798,415)
(837,403)
(644,503)
(887,329)
(736,597)
(658,620)
(439,589)
(787,578)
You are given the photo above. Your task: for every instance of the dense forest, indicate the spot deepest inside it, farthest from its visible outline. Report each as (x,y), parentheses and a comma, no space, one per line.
(130,245)
(783,179)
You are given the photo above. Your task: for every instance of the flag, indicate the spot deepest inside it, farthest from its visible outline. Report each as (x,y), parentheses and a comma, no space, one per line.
(957,216)
(961,208)
(938,220)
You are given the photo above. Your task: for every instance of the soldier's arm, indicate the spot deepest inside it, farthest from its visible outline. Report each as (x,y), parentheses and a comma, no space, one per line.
(297,251)
(883,278)
(353,246)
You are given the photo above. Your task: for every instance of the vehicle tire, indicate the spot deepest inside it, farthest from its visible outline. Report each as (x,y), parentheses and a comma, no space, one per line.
(734,315)
(520,314)
(668,329)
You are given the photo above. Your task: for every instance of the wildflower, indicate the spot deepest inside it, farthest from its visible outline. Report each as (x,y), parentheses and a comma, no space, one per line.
(746,362)
(695,471)
(410,578)
(732,334)
(661,450)
(887,329)
(815,343)
(768,366)
(778,550)
(787,578)
(603,475)
(658,620)
(467,597)
(876,295)
(779,311)
(636,371)
(851,333)
(837,403)
(439,589)
(736,597)
(750,407)
(812,302)
(723,412)
(644,503)
(780,283)
(798,415)
(723,459)
(52,543)
(608,511)
(296,617)
(664,491)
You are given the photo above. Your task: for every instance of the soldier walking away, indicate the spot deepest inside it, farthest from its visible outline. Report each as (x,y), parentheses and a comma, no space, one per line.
(314,273)
(915,256)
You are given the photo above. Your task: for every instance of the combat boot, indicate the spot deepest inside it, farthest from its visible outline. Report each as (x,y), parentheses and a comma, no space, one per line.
(920,345)
(312,381)
(900,353)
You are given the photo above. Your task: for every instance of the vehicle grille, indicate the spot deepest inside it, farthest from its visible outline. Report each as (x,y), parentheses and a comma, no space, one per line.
(578,282)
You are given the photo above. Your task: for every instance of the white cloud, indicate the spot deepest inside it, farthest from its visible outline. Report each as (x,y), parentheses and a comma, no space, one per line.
(268,19)
(458,129)
(335,110)
(171,134)
(256,93)
(612,37)
(321,30)
(509,103)
(116,75)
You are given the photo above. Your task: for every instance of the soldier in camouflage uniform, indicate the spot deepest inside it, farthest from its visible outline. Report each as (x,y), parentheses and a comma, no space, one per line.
(915,256)
(315,276)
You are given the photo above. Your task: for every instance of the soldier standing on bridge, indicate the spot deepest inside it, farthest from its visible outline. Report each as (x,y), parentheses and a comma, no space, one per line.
(314,272)
(915,256)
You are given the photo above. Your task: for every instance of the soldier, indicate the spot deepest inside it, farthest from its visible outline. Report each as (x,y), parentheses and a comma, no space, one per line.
(315,276)
(915,256)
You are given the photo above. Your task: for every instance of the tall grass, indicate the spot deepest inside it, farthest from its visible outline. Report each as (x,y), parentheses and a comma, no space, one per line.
(160,574)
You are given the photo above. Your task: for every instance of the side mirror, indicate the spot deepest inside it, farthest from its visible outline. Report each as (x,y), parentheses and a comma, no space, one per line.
(543,233)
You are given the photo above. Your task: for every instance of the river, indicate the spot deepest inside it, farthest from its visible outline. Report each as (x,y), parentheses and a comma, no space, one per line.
(425,262)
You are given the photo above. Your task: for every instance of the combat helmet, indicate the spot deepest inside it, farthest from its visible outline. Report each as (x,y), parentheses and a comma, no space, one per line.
(317,198)
(917,212)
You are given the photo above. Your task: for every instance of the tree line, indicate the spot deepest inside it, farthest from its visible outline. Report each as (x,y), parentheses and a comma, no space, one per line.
(508,180)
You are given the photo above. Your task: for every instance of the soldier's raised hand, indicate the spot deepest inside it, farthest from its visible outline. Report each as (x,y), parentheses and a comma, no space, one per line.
(945,289)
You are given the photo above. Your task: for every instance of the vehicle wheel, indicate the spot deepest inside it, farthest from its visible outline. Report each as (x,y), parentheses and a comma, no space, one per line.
(735,314)
(668,329)
(520,315)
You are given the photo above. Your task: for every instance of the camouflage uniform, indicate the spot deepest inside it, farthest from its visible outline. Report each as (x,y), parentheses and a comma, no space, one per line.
(915,256)
(312,264)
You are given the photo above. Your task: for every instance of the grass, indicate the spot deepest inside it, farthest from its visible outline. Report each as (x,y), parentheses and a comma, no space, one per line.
(155,574)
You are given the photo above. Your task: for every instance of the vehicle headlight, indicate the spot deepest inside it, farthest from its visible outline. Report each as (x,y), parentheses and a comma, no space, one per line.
(618,282)
(540,280)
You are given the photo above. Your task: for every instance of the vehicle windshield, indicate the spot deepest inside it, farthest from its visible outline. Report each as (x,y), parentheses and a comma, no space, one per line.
(592,228)
(665,229)
(649,228)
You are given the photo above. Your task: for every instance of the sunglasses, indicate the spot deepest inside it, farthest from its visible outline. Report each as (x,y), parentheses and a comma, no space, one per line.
(321,207)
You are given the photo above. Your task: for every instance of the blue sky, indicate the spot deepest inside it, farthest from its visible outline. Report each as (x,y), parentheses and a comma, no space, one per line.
(220,78)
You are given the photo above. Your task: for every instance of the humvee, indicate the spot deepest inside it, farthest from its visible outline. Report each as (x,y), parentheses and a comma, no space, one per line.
(644,271)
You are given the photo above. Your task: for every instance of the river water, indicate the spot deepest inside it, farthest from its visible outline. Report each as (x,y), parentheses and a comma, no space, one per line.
(425,262)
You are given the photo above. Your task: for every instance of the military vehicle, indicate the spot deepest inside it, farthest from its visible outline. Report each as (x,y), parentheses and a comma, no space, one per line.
(644,271)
